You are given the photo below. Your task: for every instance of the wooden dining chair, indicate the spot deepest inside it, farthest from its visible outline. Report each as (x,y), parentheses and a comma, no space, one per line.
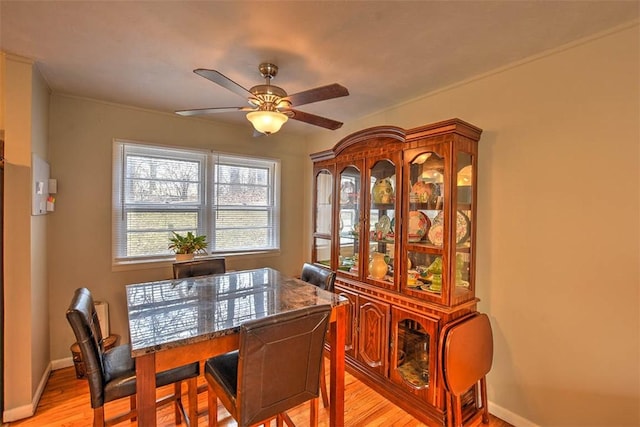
(324,279)
(276,368)
(112,373)
(467,356)
(199,267)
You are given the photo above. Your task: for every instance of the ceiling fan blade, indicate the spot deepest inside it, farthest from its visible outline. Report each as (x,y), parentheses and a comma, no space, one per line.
(224,81)
(318,94)
(312,119)
(200,111)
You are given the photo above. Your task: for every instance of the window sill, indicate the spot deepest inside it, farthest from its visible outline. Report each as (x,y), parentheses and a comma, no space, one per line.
(161,262)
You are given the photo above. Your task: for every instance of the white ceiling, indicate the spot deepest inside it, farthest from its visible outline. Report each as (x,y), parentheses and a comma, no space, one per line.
(142,53)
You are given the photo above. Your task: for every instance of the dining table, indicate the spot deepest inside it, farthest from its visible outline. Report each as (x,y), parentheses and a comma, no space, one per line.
(180,321)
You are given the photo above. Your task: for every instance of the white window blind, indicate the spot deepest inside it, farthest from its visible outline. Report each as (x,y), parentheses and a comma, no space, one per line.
(233,200)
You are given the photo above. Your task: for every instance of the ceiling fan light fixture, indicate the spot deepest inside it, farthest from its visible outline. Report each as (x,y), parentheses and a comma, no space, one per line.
(267,122)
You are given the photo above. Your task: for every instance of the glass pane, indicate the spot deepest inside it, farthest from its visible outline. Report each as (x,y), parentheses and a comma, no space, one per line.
(463,272)
(235,174)
(413,353)
(426,200)
(424,272)
(236,229)
(148,233)
(243,238)
(161,180)
(381,231)
(322,249)
(241,219)
(349,221)
(463,234)
(241,195)
(324,185)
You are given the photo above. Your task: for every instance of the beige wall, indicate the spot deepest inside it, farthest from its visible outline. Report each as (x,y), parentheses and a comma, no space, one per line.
(79,250)
(26,356)
(558,227)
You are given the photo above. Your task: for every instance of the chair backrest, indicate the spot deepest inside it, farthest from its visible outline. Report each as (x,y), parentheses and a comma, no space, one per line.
(321,277)
(83,318)
(279,362)
(201,267)
(467,353)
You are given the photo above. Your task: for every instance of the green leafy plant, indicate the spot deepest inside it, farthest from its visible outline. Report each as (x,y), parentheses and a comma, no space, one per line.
(189,244)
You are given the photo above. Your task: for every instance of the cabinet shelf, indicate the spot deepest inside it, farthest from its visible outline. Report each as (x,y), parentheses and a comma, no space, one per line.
(383,206)
(424,248)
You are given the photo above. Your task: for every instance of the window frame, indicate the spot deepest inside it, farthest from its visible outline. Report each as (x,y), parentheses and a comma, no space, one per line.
(206,208)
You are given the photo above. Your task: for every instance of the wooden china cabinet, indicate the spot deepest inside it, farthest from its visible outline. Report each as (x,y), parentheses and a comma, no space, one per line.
(395,218)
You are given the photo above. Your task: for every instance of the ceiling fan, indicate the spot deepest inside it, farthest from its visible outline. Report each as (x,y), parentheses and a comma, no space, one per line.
(270,106)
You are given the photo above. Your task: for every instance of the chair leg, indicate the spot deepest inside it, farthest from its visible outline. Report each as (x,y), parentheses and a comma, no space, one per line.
(192,387)
(202,387)
(284,418)
(457,411)
(98,417)
(177,392)
(314,412)
(449,407)
(483,396)
(323,386)
(213,407)
(132,405)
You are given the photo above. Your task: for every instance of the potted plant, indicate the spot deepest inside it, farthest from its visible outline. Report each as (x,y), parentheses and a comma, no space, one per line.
(187,246)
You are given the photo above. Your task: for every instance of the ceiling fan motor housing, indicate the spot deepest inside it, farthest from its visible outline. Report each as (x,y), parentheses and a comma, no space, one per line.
(269,97)
(272,99)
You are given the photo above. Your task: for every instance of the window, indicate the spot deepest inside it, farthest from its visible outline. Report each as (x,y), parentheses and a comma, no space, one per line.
(158,190)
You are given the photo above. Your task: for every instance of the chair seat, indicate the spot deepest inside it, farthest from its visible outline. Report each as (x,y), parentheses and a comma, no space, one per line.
(120,373)
(224,369)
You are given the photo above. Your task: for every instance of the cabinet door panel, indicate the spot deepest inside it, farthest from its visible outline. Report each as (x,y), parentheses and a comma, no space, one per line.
(383,175)
(413,354)
(349,339)
(373,334)
(349,218)
(323,251)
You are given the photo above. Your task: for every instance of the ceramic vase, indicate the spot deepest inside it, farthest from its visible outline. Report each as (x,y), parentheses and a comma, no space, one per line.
(377,267)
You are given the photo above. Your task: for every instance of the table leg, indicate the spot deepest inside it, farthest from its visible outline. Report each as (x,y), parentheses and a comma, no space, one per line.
(337,339)
(146,389)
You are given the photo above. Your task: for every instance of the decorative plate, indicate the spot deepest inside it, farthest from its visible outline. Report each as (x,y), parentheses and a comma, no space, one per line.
(419,225)
(462,227)
(425,191)
(436,234)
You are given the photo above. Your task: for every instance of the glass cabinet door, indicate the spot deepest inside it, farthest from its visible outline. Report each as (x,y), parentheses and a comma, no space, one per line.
(413,358)
(323,218)
(349,222)
(381,233)
(426,226)
(463,230)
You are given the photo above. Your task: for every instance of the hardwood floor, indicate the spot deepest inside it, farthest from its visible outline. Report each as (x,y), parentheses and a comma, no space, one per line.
(65,402)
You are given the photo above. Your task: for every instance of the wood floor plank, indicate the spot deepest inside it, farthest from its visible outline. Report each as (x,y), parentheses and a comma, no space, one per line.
(66,403)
